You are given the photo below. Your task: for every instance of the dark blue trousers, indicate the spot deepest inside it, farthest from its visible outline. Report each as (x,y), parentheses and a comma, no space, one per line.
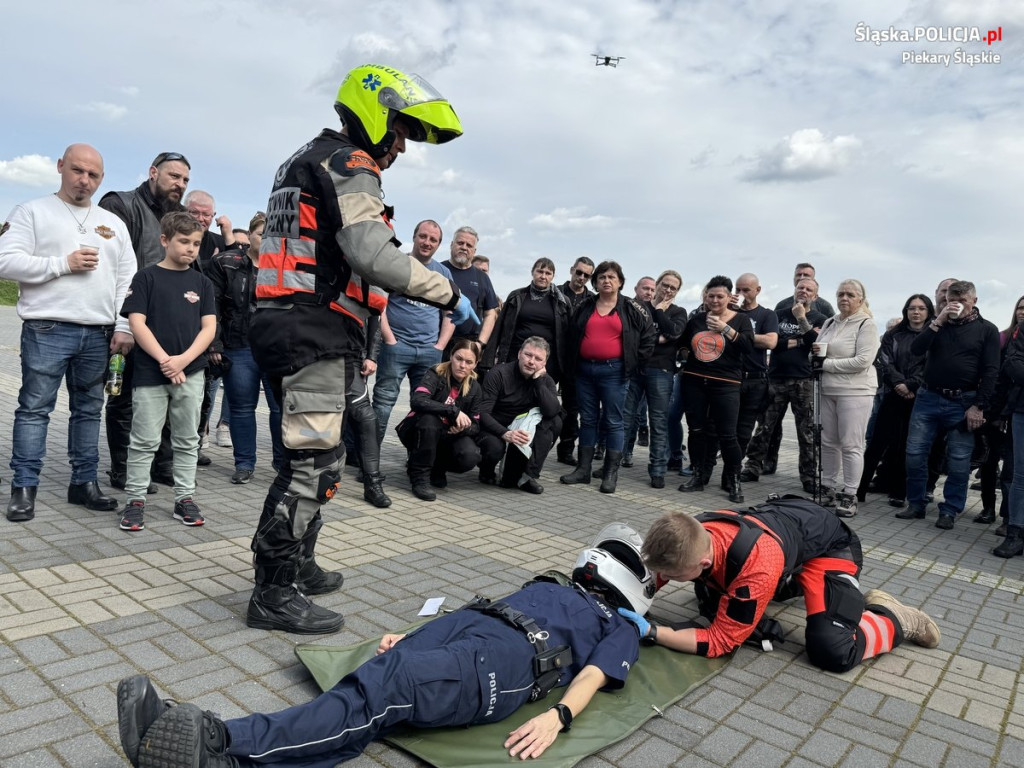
(459,669)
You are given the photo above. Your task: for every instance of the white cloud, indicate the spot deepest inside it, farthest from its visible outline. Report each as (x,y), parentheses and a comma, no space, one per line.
(128,90)
(806,155)
(105,109)
(570,218)
(29,170)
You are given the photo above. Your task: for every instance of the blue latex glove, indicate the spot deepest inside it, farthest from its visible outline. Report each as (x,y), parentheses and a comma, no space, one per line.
(464,311)
(642,624)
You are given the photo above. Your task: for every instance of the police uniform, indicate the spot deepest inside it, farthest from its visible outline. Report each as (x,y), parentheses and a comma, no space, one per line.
(327,245)
(463,668)
(806,550)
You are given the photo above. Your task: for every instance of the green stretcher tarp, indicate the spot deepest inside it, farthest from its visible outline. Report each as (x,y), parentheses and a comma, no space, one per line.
(660,678)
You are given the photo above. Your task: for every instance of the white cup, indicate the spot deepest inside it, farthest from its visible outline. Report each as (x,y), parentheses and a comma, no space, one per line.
(955,309)
(819,349)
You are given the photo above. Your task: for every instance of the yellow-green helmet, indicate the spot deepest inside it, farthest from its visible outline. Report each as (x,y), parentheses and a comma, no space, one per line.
(373,95)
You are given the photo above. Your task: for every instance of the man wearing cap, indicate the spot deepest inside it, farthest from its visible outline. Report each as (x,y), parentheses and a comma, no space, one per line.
(141,210)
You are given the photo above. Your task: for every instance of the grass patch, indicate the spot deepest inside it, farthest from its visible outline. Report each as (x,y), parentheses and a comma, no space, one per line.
(8,293)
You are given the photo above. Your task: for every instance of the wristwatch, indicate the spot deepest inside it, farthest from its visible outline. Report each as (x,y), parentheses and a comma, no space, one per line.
(564,716)
(651,638)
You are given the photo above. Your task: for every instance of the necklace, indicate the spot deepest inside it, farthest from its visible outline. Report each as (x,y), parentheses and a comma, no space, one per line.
(81,224)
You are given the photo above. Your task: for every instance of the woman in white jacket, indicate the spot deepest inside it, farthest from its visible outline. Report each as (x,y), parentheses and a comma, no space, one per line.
(848,383)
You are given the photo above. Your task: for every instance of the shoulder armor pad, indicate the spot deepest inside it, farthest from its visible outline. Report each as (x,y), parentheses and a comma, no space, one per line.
(349,161)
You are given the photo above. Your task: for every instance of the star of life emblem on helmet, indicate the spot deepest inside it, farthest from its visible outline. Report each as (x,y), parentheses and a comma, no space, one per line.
(371,82)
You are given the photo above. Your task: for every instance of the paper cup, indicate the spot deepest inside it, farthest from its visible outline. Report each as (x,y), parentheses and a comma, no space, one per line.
(820,349)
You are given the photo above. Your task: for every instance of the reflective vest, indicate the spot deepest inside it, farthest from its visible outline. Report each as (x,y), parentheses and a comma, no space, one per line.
(300,260)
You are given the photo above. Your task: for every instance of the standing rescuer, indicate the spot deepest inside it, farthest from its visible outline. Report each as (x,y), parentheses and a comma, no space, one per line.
(327,252)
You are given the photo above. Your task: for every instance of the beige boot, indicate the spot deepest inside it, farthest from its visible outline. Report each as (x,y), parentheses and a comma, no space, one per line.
(918,627)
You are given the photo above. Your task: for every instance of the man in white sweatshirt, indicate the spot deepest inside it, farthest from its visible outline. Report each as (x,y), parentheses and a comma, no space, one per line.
(73,262)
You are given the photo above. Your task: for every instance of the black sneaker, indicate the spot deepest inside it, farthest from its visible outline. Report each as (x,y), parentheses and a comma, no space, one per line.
(241,476)
(657,481)
(187,512)
(202,460)
(945,522)
(133,516)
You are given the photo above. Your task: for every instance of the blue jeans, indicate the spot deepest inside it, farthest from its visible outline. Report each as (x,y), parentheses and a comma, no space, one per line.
(242,394)
(676,409)
(1017,487)
(931,412)
(52,351)
(656,384)
(397,361)
(601,388)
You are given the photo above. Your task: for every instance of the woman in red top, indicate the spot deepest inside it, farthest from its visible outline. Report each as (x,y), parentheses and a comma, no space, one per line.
(614,336)
(717,340)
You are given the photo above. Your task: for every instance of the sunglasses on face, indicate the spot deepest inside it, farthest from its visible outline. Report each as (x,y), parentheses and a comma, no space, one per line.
(581,273)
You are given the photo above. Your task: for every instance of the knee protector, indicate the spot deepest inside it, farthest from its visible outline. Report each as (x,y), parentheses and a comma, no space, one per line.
(843,599)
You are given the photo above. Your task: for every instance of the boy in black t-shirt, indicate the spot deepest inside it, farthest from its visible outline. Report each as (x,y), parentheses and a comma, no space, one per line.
(170,310)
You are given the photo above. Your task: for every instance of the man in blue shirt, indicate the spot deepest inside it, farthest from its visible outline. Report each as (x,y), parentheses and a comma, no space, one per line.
(476,665)
(414,333)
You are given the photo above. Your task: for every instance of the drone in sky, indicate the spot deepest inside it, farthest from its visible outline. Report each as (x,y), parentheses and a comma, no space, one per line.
(606,61)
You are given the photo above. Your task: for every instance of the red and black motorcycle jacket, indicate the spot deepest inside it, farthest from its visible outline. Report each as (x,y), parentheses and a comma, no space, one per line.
(328,257)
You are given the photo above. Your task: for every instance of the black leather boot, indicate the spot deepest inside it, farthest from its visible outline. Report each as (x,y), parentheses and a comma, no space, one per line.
(610,478)
(734,486)
(373,490)
(583,468)
(1013,544)
(22,506)
(564,454)
(310,578)
(90,496)
(285,607)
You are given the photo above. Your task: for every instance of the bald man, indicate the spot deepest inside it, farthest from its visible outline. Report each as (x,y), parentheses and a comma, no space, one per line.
(73,262)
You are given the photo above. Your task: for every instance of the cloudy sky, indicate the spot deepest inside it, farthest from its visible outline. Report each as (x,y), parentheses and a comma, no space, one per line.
(733,136)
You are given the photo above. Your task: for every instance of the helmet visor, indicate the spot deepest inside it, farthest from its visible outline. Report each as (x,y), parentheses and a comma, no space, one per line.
(429,116)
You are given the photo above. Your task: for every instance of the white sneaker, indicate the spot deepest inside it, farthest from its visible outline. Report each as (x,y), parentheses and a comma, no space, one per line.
(224,436)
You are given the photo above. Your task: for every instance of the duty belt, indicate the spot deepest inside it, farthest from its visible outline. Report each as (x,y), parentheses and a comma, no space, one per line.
(548,664)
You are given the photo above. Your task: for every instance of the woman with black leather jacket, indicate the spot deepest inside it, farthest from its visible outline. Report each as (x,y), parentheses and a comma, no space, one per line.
(233,274)
(901,372)
(442,428)
(539,309)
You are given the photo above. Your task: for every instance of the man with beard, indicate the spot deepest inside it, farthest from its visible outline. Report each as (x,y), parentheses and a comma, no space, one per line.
(474,284)
(576,291)
(803,271)
(73,265)
(789,383)
(141,209)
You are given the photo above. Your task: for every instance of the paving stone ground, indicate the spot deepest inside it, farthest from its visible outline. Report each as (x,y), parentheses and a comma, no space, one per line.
(82,604)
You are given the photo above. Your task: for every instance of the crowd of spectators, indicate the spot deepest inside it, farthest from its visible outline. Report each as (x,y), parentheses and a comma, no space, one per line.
(938,393)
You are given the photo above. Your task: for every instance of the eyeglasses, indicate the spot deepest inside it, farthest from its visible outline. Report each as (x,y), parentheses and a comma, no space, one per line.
(581,273)
(169,157)
(200,214)
(669,288)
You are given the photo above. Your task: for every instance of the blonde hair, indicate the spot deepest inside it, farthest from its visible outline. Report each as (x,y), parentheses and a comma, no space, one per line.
(445,368)
(859,286)
(675,542)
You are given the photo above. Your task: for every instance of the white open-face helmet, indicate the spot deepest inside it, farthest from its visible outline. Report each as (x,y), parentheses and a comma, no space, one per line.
(613,566)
